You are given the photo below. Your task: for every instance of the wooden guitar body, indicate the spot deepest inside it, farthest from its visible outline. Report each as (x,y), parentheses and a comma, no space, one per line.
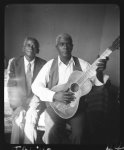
(66,111)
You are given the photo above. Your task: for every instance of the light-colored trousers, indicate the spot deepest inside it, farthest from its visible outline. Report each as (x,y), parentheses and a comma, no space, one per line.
(24,123)
(17,134)
(31,120)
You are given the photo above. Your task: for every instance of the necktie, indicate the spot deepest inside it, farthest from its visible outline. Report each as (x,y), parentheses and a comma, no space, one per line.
(29,78)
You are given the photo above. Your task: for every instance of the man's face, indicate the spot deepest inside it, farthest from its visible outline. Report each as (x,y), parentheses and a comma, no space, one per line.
(64,47)
(30,49)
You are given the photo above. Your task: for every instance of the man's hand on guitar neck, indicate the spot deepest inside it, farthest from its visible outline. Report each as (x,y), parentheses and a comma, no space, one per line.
(102,64)
(64,97)
(101,67)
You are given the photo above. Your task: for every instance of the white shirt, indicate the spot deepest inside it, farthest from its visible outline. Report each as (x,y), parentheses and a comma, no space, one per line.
(26,62)
(40,82)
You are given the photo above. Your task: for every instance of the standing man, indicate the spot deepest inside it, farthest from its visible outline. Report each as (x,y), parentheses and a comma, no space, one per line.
(22,72)
(56,72)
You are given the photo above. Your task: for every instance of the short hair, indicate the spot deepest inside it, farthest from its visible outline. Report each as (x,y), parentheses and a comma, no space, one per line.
(35,42)
(64,35)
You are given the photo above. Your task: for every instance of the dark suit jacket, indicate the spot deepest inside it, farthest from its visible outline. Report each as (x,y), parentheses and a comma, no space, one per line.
(17,80)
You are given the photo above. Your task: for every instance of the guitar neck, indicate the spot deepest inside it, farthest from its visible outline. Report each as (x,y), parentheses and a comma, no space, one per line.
(105,54)
(90,72)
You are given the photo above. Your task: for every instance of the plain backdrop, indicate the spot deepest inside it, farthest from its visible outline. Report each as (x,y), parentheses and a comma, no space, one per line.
(93,28)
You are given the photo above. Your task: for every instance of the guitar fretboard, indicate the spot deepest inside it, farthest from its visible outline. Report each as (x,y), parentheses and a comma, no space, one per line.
(90,72)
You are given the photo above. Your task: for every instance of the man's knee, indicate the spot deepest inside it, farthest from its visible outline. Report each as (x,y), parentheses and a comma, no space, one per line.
(31,116)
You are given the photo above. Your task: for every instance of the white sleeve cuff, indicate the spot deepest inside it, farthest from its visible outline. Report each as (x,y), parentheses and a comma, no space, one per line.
(98,83)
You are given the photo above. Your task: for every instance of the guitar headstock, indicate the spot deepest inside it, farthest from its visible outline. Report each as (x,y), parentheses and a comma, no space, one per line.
(116,44)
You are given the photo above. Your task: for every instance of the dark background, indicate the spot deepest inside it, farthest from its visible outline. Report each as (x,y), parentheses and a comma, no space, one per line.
(93,28)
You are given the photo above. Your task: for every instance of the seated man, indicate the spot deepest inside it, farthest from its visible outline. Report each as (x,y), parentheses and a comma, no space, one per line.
(57,72)
(22,72)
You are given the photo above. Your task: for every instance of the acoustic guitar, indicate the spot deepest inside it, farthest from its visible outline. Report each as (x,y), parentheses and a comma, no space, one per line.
(79,83)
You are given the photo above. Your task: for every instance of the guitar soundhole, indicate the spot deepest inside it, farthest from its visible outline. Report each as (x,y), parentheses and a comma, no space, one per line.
(74,87)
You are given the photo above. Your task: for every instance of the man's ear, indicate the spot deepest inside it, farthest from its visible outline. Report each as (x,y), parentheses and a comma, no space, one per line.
(72,46)
(23,48)
(38,50)
(57,47)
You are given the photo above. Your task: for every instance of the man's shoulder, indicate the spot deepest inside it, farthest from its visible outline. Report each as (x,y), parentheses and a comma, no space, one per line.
(84,64)
(48,63)
(40,60)
(82,61)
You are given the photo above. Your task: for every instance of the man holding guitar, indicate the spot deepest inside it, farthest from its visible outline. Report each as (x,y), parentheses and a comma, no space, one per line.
(63,106)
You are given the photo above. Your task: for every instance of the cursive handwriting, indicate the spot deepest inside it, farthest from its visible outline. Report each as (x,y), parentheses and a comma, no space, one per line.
(108,148)
(117,148)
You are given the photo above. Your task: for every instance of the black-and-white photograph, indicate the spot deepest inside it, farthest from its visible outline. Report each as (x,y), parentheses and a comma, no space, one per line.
(62,74)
